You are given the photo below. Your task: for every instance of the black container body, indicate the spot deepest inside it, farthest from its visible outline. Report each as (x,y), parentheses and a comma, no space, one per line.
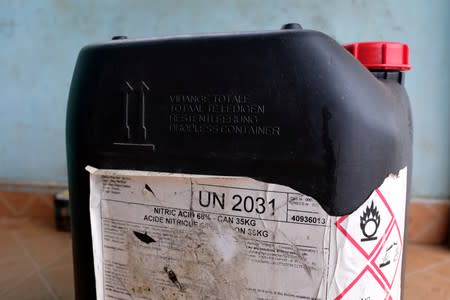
(291,107)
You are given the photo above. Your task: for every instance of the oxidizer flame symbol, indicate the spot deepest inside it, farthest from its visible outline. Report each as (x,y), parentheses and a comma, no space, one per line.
(369,222)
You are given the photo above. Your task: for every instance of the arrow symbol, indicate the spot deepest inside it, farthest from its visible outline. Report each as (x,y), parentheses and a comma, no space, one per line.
(144,89)
(129,89)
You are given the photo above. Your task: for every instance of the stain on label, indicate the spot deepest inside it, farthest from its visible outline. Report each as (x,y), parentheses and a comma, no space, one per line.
(177,236)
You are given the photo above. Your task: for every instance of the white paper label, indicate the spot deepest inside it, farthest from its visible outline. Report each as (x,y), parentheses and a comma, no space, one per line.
(177,236)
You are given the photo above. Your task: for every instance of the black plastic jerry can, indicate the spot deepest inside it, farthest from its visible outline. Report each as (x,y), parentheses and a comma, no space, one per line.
(254,165)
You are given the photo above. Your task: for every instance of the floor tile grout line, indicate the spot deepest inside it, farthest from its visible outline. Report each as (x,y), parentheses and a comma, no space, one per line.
(424,230)
(8,209)
(12,210)
(18,283)
(53,262)
(428,268)
(48,265)
(35,266)
(24,278)
(26,207)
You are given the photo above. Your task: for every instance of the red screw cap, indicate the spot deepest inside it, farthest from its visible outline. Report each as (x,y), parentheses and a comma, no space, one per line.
(381,55)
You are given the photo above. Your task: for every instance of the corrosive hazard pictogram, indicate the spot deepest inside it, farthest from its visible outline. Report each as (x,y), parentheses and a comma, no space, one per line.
(387,260)
(368,231)
(358,289)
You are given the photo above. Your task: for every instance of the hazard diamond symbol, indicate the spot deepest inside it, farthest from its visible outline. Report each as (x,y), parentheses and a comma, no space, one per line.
(366,285)
(387,260)
(367,227)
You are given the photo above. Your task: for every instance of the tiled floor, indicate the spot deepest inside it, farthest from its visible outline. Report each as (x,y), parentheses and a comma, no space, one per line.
(35,260)
(35,264)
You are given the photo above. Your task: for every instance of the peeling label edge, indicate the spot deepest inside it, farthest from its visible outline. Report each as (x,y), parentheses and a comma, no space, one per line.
(115,172)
